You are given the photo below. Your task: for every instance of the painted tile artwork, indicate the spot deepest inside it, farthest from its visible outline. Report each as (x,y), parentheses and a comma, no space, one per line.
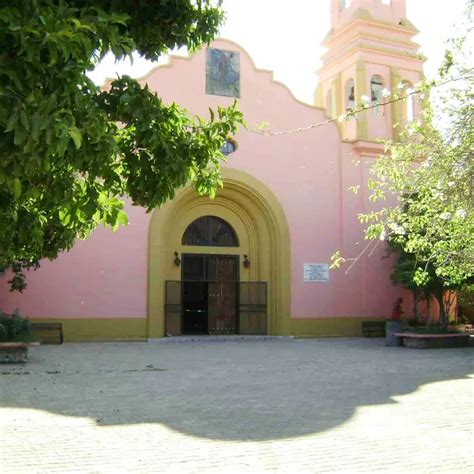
(222,72)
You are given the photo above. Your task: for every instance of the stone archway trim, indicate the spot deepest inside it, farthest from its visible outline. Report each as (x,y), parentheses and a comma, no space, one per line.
(254,211)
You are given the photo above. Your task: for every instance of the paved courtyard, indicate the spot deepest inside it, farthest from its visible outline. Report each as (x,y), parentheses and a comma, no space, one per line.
(322,405)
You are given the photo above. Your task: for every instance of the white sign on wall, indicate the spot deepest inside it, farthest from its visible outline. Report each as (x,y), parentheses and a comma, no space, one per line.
(316,272)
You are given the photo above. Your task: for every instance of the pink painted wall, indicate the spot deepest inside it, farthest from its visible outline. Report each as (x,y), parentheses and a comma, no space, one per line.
(309,173)
(103,277)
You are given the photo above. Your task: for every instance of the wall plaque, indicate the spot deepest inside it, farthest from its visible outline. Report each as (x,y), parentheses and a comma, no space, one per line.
(316,272)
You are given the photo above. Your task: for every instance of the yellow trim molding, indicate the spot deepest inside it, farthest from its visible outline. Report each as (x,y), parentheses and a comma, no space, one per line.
(134,329)
(363,17)
(104,329)
(318,97)
(361,89)
(328,327)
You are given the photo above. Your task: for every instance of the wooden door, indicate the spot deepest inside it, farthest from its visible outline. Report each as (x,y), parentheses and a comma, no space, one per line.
(223,275)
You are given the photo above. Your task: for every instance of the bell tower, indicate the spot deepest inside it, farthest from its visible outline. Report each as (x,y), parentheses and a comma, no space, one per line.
(370,51)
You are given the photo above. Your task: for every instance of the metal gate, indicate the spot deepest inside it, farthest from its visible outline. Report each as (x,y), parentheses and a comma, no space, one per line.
(251,311)
(173,308)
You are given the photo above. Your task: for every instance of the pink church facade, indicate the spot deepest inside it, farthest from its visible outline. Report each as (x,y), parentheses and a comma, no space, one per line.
(285,197)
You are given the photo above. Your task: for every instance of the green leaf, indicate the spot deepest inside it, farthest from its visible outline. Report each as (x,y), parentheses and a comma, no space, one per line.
(35,127)
(24,120)
(122,218)
(12,120)
(336,260)
(64,217)
(16,188)
(20,136)
(76,135)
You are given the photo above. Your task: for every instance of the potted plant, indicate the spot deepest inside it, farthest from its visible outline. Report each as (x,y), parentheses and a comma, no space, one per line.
(15,337)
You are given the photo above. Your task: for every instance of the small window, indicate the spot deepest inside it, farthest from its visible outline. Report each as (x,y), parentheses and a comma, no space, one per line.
(329,103)
(386,2)
(350,94)
(376,87)
(210,231)
(345,4)
(228,147)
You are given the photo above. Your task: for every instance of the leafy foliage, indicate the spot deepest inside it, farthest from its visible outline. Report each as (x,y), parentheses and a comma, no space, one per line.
(466,302)
(15,328)
(404,272)
(68,151)
(433,219)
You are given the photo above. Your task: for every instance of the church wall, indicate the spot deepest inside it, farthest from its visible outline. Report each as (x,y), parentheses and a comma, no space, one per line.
(99,288)
(305,176)
(366,285)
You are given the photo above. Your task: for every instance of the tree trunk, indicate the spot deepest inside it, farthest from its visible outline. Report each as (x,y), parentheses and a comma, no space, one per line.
(416,299)
(443,317)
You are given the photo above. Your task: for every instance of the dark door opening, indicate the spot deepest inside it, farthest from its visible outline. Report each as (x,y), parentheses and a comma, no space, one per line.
(210,294)
(195,307)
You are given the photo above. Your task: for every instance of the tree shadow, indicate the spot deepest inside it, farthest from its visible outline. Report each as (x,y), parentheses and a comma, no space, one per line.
(231,391)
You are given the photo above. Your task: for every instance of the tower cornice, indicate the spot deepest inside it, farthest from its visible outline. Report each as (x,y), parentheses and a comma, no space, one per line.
(363,17)
(359,45)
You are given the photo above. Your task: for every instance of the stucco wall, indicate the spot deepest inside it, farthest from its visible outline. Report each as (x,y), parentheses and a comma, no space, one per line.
(309,172)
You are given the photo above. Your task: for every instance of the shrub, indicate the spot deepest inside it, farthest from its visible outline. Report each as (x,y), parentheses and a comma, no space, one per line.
(15,328)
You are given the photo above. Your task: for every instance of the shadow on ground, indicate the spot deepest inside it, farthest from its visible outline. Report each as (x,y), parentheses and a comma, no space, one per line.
(233,391)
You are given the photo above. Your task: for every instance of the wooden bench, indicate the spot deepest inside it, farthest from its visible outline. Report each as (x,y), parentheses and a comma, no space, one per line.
(433,341)
(373,328)
(56,328)
(469,329)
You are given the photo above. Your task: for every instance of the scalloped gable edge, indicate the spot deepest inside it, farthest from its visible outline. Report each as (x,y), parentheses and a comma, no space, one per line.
(173,58)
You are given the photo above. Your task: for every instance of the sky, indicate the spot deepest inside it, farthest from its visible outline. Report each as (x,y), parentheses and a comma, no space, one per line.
(286,39)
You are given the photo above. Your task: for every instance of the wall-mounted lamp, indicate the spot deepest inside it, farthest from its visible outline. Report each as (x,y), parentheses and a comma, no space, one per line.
(246,261)
(177,260)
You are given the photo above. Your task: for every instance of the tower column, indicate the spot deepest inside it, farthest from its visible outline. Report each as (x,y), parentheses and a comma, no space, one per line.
(361,89)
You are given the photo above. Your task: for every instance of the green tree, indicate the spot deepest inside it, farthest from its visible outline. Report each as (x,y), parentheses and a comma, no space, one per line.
(466,303)
(69,151)
(404,273)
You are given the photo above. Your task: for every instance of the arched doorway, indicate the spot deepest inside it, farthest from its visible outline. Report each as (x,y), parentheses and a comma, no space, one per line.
(208,299)
(253,213)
